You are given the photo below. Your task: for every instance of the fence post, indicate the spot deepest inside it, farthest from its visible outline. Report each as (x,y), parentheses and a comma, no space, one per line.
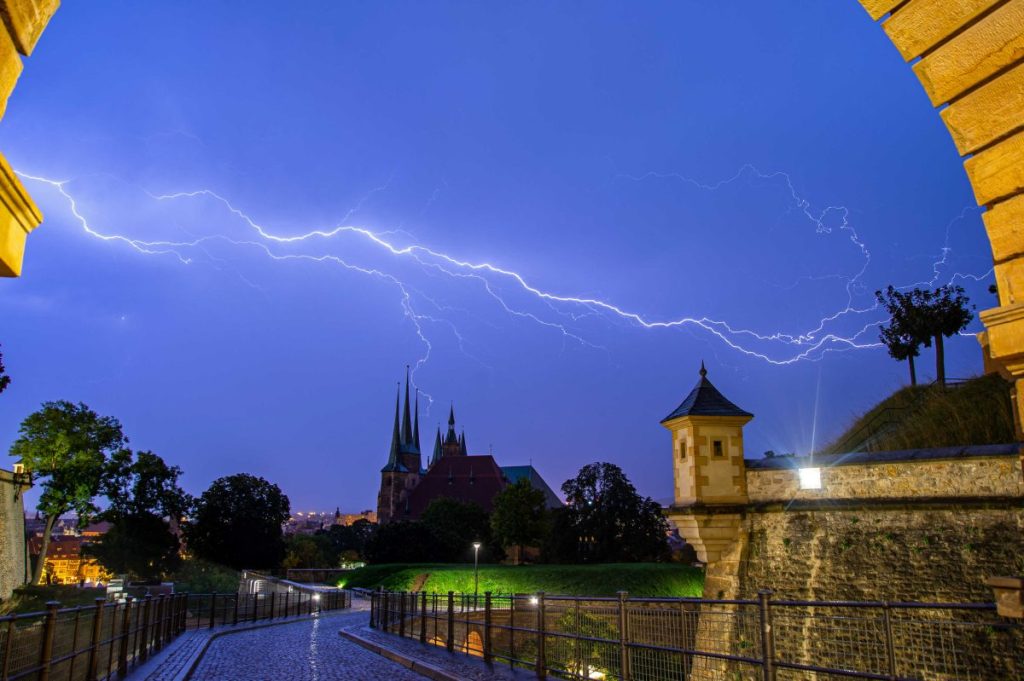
(541,662)
(401,614)
(273,602)
(423,617)
(94,641)
(450,643)
(767,636)
(213,608)
(488,657)
(373,609)
(47,651)
(890,648)
(183,614)
(8,645)
(624,635)
(158,623)
(122,652)
(144,635)
(385,611)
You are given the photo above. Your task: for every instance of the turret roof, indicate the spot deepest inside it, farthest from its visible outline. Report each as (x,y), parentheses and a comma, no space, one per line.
(705,400)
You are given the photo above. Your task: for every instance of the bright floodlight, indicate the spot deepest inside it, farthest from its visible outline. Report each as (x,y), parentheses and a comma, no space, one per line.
(476,545)
(810,478)
(316,597)
(533,600)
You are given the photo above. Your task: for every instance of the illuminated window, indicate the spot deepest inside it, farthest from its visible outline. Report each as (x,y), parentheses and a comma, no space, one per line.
(810,478)
(716,448)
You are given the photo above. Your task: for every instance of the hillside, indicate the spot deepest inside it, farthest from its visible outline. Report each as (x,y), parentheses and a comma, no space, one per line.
(977,411)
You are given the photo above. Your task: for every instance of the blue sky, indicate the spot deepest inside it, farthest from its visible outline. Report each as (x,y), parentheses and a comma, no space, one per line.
(759,165)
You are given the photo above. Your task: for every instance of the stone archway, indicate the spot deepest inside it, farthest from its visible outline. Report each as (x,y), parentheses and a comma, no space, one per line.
(968,55)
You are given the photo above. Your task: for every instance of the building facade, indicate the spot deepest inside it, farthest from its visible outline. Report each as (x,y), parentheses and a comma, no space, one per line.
(407,487)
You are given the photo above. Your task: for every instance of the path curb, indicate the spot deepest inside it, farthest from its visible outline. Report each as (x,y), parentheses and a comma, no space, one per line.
(422,668)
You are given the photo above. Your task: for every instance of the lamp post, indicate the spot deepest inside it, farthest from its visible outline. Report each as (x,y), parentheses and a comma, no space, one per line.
(476,570)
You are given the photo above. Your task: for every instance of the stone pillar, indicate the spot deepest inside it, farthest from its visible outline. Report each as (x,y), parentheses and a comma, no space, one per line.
(24,21)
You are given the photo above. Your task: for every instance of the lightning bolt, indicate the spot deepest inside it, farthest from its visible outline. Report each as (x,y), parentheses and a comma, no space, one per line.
(496,280)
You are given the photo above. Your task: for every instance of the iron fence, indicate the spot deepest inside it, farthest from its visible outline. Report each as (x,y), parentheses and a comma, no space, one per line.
(690,639)
(98,642)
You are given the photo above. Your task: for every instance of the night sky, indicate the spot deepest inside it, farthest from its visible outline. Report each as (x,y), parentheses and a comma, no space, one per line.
(552,211)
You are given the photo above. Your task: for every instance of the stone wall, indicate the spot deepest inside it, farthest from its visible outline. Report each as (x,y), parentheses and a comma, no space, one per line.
(12,533)
(990,471)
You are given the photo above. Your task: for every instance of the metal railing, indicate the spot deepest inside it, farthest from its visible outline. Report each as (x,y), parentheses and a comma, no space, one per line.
(690,639)
(88,643)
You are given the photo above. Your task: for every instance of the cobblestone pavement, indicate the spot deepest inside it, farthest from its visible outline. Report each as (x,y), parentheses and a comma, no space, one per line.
(307,650)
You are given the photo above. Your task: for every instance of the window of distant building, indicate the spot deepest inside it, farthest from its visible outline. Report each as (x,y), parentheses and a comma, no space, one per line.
(717,449)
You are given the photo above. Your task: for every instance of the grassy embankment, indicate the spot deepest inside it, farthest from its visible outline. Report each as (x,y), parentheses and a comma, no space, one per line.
(34,598)
(976,412)
(639,579)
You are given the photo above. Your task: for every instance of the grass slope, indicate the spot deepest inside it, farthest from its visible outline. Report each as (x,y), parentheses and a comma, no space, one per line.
(976,412)
(34,598)
(639,579)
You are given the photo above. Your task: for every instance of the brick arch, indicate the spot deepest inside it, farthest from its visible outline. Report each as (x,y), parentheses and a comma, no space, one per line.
(968,55)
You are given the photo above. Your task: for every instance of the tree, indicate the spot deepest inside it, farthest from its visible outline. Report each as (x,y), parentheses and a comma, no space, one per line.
(237,522)
(609,520)
(455,525)
(66,448)
(145,500)
(905,332)
(309,551)
(5,380)
(349,541)
(401,542)
(519,517)
(948,313)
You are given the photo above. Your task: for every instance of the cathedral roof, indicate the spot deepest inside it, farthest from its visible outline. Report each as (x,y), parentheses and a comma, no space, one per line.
(705,400)
(476,479)
(516,473)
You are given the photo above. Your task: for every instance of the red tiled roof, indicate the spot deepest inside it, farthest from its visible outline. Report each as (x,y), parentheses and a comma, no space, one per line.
(465,478)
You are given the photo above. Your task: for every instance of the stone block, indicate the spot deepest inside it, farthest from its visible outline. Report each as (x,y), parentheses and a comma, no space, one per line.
(26,19)
(1009,592)
(10,69)
(1004,224)
(18,216)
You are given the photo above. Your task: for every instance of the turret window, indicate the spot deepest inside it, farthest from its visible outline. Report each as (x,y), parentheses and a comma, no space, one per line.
(717,449)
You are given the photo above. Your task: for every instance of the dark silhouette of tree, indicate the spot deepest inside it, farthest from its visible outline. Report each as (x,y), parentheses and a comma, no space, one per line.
(5,380)
(609,520)
(401,542)
(519,517)
(349,541)
(455,525)
(948,312)
(145,502)
(237,522)
(905,332)
(66,447)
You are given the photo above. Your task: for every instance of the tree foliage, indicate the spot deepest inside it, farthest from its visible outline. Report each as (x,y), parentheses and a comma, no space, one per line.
(305,551)
(520,516)
(401,542)
(67,447)
(237,522)
(348,542)
(5,380)
(923,317)
(454,526)
(145,500)
(606,520)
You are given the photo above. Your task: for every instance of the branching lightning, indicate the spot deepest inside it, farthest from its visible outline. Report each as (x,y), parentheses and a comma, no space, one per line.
(500,283)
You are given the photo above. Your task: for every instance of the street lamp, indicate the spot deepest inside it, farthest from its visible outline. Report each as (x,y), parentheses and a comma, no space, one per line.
(476,570)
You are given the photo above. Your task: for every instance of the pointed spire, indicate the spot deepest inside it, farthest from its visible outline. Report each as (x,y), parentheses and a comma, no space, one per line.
(703,371)
(416,423)
(451,438)
(396,443)
(437,448)
(406,420)
(462,444)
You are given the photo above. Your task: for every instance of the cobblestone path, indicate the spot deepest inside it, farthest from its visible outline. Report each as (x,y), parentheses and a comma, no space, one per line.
(309,650)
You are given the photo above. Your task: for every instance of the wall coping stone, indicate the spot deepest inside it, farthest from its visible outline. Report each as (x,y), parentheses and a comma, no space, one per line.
(898,456)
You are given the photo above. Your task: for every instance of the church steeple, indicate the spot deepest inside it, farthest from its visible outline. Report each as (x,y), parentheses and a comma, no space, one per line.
(396,444)
(451,438)
(437,448)
(416,423)
(462,444)
(406,420)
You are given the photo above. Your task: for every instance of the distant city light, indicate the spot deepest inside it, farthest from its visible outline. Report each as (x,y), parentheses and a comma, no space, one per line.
(810,478)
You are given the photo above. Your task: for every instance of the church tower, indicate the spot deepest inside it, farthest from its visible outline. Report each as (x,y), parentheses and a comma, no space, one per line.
(402,472)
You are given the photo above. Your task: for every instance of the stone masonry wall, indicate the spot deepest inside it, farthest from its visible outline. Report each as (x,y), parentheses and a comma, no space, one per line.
(12,534)
(982,476)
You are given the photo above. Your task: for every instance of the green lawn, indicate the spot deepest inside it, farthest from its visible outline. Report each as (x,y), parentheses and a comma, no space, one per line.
(34,598)
(639,579)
